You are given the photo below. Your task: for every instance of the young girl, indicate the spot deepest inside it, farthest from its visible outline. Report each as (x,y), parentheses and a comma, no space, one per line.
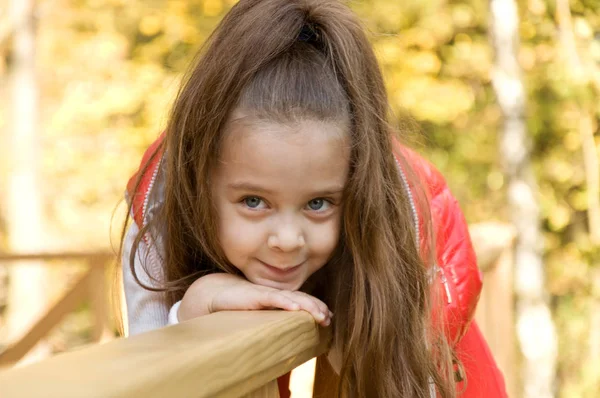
(277,184)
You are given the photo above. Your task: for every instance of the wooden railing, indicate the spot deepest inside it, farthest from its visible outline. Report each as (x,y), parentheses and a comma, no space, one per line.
(233,354)
(494,244)
(226,354)
(91,285)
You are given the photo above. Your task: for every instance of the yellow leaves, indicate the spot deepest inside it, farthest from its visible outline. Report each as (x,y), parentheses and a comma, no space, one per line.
(177,7)
(572,268)
(440,25)
(383,15)
(582,28)
(527,30)
(417,37)
(559,170)
(526,58)
(579,200)
(469,59)
(568,118)
(462,16)
(425,62)
(96,52)
(559,218)
(544,52)
(150,25)
(435,100)
(110,47)
(389,51)
(212,8)
(572,141)
(536,7)
(495,180)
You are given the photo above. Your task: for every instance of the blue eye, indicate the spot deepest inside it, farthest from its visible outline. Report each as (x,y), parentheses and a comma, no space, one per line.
(317,204)
(252,202)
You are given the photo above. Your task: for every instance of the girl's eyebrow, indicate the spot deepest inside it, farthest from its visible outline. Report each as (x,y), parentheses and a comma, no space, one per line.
(246,186)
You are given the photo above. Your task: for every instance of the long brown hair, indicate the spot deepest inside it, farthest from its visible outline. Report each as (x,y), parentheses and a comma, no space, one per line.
(287,60)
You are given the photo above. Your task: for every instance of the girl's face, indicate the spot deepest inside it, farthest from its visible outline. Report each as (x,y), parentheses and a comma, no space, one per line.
(278,191)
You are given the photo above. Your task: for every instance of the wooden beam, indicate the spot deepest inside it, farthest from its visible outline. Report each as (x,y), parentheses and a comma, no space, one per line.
(226,354)
(99,303)
(490,239)
(106,256)
(66,304)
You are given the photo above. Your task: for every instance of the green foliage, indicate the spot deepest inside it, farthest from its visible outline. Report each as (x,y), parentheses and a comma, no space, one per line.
(110,68)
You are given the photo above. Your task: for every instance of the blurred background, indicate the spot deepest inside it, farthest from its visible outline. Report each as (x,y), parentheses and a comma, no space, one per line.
(501,96)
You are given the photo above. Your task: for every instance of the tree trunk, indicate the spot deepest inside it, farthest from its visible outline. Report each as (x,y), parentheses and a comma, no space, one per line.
(535,329)
(27,281)
(581,75)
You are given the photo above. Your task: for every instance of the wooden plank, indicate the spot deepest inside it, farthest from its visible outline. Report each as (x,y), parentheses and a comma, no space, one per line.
(66,304)
(269,390)
(97,286)
(8,259)
(494,245)
(496,318)
(489,241)
(226,354)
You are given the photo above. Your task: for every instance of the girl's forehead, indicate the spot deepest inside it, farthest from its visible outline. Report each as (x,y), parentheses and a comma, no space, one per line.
(301,133)
(308,153)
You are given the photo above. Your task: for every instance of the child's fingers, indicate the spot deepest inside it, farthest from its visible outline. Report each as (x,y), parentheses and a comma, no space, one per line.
(310,305)
(322,306)
(274,299)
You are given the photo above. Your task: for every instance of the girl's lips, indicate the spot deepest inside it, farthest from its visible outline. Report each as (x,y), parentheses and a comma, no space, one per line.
(280,271)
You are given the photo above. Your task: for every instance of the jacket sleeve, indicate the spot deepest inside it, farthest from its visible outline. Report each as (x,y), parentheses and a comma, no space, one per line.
(146,310)
(459,273)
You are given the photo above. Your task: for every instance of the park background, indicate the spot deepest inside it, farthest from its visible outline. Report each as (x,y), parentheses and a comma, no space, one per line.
(82,98)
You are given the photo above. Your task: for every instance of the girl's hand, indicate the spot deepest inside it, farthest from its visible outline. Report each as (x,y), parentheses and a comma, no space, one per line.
(222,292)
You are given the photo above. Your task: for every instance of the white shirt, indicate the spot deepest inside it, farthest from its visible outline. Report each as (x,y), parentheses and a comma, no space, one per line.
(146,310)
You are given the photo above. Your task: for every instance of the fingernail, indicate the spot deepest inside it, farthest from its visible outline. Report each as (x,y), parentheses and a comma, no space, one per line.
(327,322)
(321,316)
(330,314)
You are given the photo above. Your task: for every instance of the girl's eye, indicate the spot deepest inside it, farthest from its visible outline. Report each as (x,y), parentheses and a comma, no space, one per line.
(253,202)
(318,204)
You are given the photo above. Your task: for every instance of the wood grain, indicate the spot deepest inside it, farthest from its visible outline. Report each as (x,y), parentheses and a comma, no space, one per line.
(65,305)
(227,354)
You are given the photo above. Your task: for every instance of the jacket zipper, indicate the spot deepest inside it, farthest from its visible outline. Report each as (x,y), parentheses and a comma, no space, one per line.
(415,217)
(144,210)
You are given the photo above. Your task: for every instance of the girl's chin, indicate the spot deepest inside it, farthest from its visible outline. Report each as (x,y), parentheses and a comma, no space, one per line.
(280,285)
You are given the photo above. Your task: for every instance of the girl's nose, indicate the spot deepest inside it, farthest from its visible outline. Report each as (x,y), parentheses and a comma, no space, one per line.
(286,238)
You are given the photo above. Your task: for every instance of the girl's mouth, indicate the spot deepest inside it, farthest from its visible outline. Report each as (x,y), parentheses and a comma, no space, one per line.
(281,271)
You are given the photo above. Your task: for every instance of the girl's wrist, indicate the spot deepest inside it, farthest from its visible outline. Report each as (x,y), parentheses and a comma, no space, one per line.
(194,303)
(185,313)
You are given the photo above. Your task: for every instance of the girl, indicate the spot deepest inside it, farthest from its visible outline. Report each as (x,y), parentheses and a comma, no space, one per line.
(277,184)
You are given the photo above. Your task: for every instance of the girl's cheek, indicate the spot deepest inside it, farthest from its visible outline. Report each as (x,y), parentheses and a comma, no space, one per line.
(326,237)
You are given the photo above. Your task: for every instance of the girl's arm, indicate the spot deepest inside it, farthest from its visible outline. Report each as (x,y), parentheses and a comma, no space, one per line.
(146,310)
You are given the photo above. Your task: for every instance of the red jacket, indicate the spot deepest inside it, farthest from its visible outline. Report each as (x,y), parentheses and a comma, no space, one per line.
(458,271)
